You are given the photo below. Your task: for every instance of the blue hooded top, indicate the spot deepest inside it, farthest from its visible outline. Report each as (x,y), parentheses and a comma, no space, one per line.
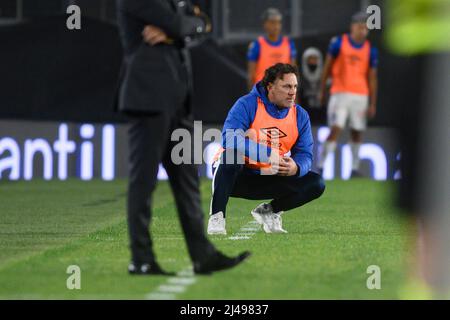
(241,116)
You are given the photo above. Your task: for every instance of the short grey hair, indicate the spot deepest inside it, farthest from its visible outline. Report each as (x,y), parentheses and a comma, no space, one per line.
(271,13)
(359,17)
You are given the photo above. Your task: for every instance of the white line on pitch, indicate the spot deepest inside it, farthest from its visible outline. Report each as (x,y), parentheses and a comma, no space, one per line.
(186,277)
(246,232)
(174,285)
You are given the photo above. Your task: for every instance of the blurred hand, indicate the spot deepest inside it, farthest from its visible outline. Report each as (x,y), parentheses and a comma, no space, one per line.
(208,27)
(154,35)
(198,12)
(288,167)
(371,112)
(274,161)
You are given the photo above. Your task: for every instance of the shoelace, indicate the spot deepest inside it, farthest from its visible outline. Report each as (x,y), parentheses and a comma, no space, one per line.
(277,220)
(215,220)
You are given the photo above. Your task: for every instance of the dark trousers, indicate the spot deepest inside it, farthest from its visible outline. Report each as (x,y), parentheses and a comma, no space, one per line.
(234,180)
(149,144)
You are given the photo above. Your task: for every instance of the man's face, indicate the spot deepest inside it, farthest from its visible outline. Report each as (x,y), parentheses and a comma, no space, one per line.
(359,31)
(312,60)
(283,91)
(273,27)
(312,63)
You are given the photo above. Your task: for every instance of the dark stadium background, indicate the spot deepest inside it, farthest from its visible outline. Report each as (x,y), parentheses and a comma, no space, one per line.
(51,73)
(52,77)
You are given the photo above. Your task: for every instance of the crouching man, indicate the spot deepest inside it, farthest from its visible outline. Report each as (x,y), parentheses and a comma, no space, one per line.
(267,153)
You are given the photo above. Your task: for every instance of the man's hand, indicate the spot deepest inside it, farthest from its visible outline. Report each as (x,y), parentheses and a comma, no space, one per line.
(199,13)
(371,111)
(288,167)
(274,161)
(154,35)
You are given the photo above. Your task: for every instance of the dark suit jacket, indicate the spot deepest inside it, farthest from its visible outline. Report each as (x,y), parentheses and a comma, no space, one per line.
(154,78)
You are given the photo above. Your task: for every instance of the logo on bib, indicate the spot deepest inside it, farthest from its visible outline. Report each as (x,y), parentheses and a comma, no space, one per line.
(273,133)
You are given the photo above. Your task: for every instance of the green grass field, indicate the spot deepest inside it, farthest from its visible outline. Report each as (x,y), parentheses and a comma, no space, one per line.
(47,226)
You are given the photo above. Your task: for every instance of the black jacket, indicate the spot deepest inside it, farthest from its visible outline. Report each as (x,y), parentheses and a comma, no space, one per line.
(154,78)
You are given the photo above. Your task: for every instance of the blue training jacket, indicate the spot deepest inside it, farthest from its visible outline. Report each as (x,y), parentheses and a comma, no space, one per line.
(241,116)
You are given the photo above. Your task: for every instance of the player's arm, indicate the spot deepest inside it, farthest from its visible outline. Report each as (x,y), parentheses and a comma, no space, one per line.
(293,53)
(373,89)
(373,82)
(252,60)
(324,78)
(333,52)
(251,71)
(235,133)
(302,151)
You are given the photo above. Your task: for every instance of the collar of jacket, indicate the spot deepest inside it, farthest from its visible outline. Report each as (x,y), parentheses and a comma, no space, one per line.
(272,109)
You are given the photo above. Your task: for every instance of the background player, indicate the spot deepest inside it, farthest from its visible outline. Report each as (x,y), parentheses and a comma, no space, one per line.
(352,63)
(269,49)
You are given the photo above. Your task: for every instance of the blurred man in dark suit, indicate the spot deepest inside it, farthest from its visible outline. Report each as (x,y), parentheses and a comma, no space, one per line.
(155,93)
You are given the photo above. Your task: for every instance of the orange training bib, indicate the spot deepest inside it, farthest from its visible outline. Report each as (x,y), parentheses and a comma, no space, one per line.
(278,134)
(350,69)
(270,55)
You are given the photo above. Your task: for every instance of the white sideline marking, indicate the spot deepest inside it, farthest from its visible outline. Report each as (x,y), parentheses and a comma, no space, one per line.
(239,238)
(173,285)
(181,281)
(186,277)
(247,229)
(246,232)
(160,296)
(171,289)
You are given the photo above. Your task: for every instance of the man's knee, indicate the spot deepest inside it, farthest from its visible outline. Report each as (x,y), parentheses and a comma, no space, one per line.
(230,168)
(317,186)
(230,162)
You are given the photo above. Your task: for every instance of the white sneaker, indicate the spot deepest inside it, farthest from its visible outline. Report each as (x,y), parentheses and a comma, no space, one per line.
(216,224)
(275,225)
(261,212)
(271,222)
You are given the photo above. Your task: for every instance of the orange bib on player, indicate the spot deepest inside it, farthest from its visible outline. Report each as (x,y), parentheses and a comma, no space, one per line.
(270,55)
(350,69)
(270,131)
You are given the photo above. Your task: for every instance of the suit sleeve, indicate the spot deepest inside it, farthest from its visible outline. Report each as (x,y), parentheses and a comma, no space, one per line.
(302,152)
(237,123)
(160,14)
